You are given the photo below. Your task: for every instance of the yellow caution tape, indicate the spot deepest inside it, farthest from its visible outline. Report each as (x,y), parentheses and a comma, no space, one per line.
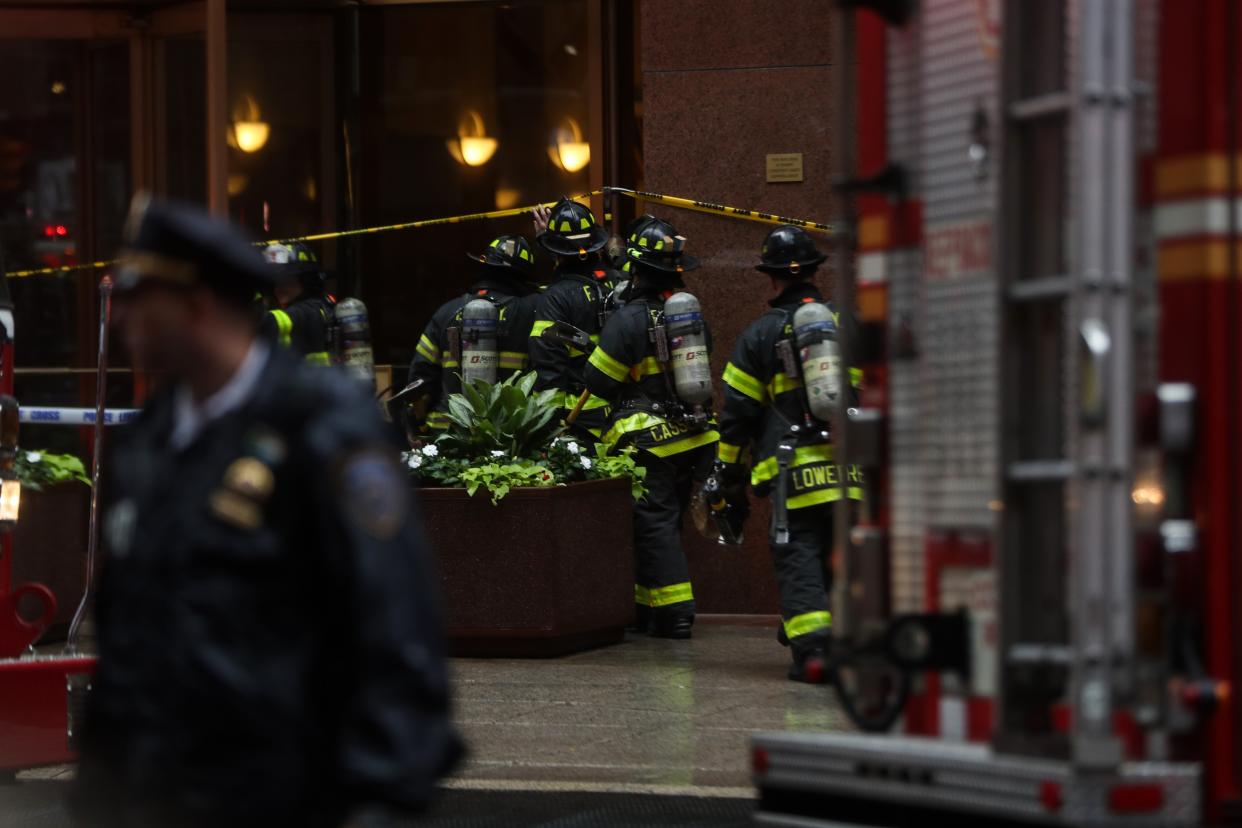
(672,201)
(722,210)
(336,234)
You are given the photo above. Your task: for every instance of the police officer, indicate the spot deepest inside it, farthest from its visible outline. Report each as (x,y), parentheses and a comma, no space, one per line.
(578,295)
(304,317)
(766,406)
(636,368)
(505,279)
(269,646)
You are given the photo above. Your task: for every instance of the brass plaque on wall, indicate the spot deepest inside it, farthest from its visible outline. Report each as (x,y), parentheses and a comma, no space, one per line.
(784,166)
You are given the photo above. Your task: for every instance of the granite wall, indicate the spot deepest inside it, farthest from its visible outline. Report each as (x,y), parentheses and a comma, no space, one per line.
(724,84)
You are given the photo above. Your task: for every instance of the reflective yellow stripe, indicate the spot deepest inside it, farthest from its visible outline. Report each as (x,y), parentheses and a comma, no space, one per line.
(727,452)
(593,402)
(821,496)
(648,367)
(807,622)
(766,470)
(612,368)
(540,326)
(319,358)
(437,419)
(782,383)
(685,444)
(284,327)
(634,422)
(642,595)
(743,383)
(856,377)
(512,359)
(675,594)
(447,361)
(427,350)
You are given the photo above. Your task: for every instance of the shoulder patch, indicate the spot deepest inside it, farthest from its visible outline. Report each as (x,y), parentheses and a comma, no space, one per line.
(374,492)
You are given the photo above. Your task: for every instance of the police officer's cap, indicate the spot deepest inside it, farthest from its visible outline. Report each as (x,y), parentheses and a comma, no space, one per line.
(657,245)
(511,253)
(179,244)
(572,230)
(788,250)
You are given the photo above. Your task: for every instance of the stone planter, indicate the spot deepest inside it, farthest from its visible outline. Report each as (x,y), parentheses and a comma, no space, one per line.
(544,573)
(49,547)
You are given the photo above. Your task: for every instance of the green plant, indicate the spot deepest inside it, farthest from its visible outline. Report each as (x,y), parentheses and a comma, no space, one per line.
(508,417)
(499,478)
(39,469)
(505,436)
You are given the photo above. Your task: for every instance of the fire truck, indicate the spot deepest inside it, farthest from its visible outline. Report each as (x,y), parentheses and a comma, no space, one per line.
(1041,206)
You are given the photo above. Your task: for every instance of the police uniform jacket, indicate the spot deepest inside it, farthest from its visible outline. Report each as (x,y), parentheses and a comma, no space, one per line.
(761,402)
(579,296)
(270,645)
(434,362)
(623,370)
(305,326)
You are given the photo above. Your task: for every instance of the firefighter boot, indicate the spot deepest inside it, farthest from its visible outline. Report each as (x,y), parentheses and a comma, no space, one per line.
(672,623)
(810,660)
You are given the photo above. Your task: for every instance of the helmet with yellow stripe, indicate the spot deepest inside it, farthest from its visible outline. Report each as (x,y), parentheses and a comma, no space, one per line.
(572,230)
(512,253)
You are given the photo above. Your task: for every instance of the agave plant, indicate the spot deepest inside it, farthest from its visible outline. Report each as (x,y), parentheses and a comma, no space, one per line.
(506,417)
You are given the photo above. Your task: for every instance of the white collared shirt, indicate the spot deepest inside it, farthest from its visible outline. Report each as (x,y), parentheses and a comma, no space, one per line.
(190,418)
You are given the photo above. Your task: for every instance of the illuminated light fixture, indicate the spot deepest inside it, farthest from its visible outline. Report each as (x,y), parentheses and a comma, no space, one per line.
(472,146)
(507,197)
(249,132)
(567,149)
(58,87)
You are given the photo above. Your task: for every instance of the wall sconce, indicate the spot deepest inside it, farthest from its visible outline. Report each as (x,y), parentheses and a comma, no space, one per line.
(249,133)
(472,146)
(237,184)
(567,149)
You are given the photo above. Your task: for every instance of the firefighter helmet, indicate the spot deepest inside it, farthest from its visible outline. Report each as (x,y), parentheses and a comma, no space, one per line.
(657,246)
(572,230)
(787,251)
(508,253)
(296,261)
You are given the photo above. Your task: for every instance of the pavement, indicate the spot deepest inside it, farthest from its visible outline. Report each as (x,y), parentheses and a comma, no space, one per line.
(647,732)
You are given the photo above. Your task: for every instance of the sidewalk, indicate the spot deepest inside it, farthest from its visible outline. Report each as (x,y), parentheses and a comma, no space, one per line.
(645,715)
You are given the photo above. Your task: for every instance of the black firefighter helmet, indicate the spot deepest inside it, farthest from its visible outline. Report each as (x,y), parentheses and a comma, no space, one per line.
(787,251)
(656,246)
(294,261)
(511,253)
(572,230)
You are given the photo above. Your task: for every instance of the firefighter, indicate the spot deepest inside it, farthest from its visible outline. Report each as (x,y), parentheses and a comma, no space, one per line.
(652,366)
(578,295)
(304,316)
(270,649)
(770,416)
(503,297)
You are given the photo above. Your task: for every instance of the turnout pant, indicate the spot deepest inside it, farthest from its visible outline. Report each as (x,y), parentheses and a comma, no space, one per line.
(662,579)
(805,579)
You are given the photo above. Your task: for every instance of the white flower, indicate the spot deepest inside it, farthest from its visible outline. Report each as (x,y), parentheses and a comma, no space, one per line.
(498,453)
(414,460)
(585,461)
(33,457)
(431,450)
(573,448)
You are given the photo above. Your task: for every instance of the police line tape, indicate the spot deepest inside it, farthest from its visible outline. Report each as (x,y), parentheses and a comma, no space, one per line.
(721,209)
(670,200)
(75,416)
